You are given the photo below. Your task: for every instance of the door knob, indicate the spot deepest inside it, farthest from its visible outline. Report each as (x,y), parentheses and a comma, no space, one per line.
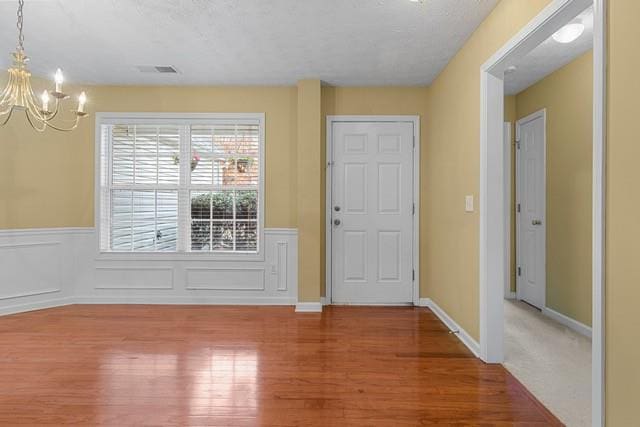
(536,222)
(336,208)
(336,222)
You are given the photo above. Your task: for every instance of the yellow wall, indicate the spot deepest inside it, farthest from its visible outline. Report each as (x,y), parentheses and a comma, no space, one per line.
(45,178)
(310,185)
(622,292)
(452,166)
(567,95)
(373,101)
(67,159)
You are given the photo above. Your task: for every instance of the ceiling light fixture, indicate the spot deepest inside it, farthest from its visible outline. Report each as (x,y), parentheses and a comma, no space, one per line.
(569,32)
(18,95)
(510,69)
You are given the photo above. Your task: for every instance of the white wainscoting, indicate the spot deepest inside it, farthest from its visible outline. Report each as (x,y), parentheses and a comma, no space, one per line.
(134,279)
(42,268)
(37,268)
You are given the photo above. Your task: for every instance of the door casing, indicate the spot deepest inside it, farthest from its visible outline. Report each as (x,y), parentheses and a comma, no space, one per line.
(520,177)
(415,120)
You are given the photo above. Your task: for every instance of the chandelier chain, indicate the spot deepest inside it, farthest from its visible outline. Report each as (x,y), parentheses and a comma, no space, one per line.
(19,26)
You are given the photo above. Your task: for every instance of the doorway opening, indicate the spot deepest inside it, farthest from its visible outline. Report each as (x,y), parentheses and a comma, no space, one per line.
(495,201)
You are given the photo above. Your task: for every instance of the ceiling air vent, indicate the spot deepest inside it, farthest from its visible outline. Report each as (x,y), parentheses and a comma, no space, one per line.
(162,69)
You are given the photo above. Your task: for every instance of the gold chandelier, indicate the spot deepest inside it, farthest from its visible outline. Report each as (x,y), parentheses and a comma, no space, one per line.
(18,95)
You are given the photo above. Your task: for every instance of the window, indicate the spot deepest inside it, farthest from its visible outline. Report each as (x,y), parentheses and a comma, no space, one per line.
(180,185)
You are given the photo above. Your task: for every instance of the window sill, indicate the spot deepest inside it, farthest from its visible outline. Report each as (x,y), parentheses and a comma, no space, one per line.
(181,256)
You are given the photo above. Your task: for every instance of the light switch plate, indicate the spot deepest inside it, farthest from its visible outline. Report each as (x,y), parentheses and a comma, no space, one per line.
(468,203)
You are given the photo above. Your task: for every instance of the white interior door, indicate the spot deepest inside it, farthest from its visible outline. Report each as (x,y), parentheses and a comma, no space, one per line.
(531,273)
(372,212)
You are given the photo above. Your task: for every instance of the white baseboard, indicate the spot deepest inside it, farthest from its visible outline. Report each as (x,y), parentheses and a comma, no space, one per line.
(323,301)
(309,307)
(45,231)
(462,335)
(570,323)
(510,295)
(40,305)
(183,300)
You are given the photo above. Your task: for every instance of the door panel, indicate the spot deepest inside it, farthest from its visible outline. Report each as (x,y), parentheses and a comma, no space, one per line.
(372,213)
(531,218)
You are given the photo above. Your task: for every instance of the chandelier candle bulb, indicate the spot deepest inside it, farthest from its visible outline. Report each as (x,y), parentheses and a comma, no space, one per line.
(45,101)
(59,79)
(82,99)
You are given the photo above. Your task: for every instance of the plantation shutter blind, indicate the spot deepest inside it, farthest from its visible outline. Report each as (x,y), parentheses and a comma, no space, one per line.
(168,188)
(224,211)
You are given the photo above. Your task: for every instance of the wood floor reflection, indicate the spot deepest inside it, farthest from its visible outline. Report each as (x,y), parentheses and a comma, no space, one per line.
(143,365)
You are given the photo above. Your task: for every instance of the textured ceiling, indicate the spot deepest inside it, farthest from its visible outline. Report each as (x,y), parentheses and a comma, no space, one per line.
(267,42)
(548,57)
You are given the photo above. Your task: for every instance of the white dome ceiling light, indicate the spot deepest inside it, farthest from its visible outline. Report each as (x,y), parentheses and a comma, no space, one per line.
(569,32)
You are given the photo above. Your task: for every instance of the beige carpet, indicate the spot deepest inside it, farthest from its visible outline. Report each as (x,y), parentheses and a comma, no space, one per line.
(552,361)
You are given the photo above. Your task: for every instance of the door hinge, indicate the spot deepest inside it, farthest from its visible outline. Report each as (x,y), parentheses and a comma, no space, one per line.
(519,271)
(413,209)
(413,275)
(518,145)
(518,208)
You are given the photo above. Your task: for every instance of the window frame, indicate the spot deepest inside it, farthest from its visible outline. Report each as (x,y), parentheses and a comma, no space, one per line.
(103,186)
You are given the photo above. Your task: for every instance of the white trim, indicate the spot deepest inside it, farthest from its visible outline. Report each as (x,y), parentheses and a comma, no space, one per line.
(282,231)
(519,183)
(309,307)
(330,120)
(181,119)
(552,17)
(456,329)
(508,206)
(183,300)
(22,232)
(511,295)
(567,321)
(190,287)
(31,293)
(117,286)
(40,305)
(599,193)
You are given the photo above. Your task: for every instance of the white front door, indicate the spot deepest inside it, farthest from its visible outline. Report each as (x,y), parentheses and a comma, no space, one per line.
(372,212)
(530,211)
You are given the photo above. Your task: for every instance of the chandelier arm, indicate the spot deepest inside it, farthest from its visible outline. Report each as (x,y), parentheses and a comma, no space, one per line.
(61,129)
(8,114)
(35,114)
(6,90)
(31,105)
(56,110)
(9,93)
(35,107)
(39,129)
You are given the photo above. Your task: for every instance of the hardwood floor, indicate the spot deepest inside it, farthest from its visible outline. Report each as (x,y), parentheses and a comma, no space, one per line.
(148,365)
